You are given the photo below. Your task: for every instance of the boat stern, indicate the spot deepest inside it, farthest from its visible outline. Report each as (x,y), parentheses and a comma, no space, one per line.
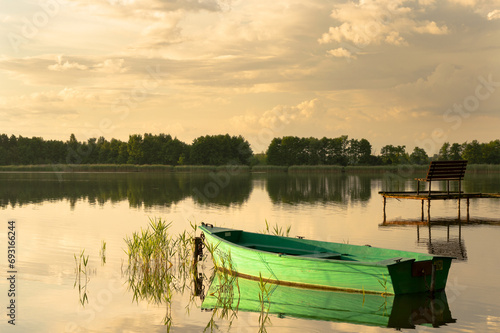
(415,276)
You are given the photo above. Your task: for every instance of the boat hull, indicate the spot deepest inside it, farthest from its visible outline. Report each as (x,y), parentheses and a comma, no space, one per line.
(323,265)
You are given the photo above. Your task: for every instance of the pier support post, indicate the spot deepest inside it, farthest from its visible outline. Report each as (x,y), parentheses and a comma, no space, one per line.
(448,231)
(422,218)
(429,211)
(429,221)
(460,233)
(385,199)
(468,204)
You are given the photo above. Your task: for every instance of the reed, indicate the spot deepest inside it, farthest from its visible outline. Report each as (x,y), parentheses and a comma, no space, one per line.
(233,168)
(315,169)
(195,168)
(150,275)
(92,168)
(269,168)
(86,168)
(81,274)
(155,168)
(265,304)
(406,168)
(383,283)
(483,168)
(26,168)
(277,230)
(102,253)
(160,264)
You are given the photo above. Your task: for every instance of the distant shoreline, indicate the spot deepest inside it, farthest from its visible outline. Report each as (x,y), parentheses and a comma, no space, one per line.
(236,169)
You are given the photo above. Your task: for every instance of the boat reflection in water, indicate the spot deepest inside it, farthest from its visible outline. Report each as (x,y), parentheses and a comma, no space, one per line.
(228,296)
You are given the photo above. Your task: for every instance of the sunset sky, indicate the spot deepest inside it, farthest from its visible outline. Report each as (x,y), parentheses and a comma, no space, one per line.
(414,73)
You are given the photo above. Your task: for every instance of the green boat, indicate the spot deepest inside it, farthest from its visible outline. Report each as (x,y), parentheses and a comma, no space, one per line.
(324,265)
(399,311)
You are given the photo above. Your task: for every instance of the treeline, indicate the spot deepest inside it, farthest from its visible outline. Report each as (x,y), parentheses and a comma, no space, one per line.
(147,149)
(343,151)
(474,152)
(293,150)
(225,149)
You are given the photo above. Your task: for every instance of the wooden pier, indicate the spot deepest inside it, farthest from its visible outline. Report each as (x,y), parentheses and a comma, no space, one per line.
(436,195)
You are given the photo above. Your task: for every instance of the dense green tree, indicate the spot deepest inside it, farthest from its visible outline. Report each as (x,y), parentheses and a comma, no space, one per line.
(358,152)
(122,153)
(419,156)
(90,152)
(444,152)
(274,153)
(173,151)
(365,152)
(12,149)
(135,149)
(162,149)
(394,154)
(353,152)
(103,151)
(5,150)
(491,152)
(259,159)
(72,152)
(473,152)
(314,149)
(73,142)
(220,150)
(455,152)
(337,151)
(25,153)
(293,150)
(55,152)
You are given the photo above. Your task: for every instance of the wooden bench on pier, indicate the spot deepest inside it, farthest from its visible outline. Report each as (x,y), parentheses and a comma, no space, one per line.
(444,170)
(440,171)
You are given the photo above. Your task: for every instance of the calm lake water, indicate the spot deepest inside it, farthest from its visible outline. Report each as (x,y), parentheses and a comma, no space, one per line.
(57,216)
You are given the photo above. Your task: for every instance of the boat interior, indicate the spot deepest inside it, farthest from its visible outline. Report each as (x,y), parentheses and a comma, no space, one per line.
(279,245)
(299,247)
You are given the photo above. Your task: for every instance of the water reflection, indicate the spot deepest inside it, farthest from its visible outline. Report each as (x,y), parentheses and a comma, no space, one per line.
(165,189)
(401,311)
(139,189)
(318,188)
(429,237)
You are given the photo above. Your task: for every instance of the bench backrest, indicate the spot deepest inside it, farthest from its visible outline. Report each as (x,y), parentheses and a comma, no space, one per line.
(452,170)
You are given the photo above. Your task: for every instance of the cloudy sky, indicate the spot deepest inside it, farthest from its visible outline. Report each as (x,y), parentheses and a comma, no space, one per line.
(414,73)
